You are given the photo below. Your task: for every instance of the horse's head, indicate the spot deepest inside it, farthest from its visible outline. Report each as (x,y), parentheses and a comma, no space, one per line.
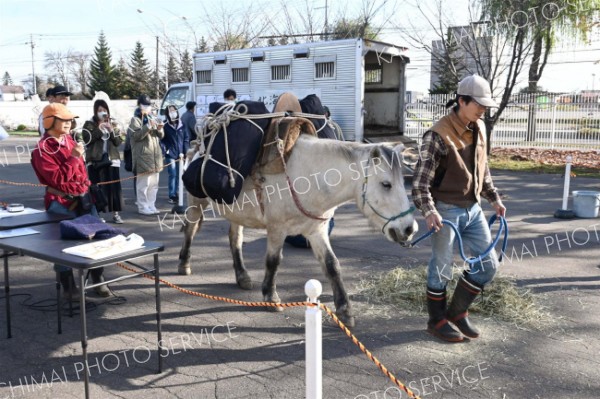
(383,198)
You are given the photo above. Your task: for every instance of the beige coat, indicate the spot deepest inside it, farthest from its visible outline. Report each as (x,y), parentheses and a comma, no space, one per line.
(145,147)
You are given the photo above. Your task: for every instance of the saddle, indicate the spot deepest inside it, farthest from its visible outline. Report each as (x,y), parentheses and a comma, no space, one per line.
(282,134)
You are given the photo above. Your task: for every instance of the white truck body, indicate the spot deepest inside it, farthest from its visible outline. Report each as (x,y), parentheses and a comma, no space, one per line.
(362,82)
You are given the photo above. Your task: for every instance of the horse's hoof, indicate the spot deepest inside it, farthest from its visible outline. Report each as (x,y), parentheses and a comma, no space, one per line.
(244,282)
(184,270)
(347,320)
(275,308)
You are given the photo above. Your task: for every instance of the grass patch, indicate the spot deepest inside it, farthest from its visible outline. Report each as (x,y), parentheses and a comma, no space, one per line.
(23,133)
(404,289)
(503,163)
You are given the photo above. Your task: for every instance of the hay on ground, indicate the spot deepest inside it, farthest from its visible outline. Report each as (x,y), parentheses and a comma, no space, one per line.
(404,289)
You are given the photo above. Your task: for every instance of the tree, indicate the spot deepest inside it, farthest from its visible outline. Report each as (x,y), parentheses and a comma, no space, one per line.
(122,79)
(186,67)
(101,69)
(202,46)
(447,66)
(497,58)
(173,74)
(6,79)
(139,72)
(79,68)
(349,28)
(57,62)
(540,23)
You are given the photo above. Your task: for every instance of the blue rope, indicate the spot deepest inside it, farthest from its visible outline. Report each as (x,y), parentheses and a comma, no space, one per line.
(475,259)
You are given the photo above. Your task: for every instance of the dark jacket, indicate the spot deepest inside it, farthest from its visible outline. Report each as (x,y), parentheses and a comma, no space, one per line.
(188,119)
(176,141)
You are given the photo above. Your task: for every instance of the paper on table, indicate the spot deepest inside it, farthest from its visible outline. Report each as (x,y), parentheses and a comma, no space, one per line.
(27,211)
(106,248)
(25,231)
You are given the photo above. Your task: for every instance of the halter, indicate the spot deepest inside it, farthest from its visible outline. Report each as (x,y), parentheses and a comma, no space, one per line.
(366,202)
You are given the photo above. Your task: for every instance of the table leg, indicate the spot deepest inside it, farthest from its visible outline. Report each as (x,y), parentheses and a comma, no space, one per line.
(7,294)
(59,303)
(158,325)
(84,343)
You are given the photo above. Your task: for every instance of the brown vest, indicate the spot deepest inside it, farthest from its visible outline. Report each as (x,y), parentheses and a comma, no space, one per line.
(459,176)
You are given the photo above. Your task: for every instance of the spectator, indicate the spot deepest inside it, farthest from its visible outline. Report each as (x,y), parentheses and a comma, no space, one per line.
(146,133)
(189,119)
(450,178)
(58,163)
(230,95)
(50,98)
(103,137)
(175,141)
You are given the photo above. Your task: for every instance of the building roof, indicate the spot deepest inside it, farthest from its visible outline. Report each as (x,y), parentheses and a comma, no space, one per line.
(12,89)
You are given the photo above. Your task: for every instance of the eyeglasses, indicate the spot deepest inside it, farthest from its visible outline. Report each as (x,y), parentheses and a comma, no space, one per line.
(65,120)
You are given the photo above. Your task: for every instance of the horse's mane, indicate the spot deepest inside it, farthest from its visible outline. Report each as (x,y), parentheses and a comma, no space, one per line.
(352,152)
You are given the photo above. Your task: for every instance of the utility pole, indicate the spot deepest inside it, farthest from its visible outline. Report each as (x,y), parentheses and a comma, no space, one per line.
(156,74)
(32,44)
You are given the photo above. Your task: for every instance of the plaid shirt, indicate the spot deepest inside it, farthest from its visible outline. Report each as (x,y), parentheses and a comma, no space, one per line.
(432,150)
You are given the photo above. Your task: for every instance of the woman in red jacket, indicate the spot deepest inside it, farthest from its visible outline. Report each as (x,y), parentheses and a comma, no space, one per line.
(58,163)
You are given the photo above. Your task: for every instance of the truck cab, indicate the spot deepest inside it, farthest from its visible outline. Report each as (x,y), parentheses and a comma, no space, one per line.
(178,95)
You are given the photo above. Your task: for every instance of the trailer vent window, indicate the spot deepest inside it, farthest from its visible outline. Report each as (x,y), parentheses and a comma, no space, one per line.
(324,70)
(257,56)
(220,59)
(204,77)
(373,73)
(239,75)
(280,72)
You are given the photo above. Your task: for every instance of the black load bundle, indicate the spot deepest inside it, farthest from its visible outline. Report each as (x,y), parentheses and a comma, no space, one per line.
(311,104)
(244,141)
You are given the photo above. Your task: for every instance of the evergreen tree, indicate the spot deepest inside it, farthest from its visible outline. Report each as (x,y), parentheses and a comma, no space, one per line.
(152,85)
(101,70)
(202,46)
(122,79)
(7,80)
(448,66)
(186,67)
(173,74)
(139,72)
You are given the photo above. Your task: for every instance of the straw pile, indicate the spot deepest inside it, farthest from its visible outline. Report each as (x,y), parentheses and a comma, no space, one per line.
(404,290)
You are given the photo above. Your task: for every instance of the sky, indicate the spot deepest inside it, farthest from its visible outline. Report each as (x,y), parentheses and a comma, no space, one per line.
(59,25)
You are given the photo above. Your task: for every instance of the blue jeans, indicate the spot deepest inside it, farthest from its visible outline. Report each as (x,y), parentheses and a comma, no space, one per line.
(173,170)
(476,238)
(56,207)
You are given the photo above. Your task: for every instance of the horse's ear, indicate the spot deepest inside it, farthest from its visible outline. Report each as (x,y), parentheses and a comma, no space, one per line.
(375,152)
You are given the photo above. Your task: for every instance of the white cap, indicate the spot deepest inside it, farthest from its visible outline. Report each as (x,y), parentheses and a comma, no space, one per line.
(478,88)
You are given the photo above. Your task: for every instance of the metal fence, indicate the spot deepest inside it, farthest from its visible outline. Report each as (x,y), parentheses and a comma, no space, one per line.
(553,121)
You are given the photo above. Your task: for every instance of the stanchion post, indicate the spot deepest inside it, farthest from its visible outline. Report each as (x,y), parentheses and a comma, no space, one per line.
(565,213)
(179,207)
(314,344)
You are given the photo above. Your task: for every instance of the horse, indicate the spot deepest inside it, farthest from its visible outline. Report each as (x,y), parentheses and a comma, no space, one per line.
(319,176)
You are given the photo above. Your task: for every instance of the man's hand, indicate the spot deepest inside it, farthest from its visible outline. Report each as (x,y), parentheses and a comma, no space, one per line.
(77,151)
(500,209)
(434,221)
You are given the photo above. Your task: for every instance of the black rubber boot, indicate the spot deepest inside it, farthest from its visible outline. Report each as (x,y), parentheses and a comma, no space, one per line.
(97,278)
(438,325)
(70,291)
(458,311)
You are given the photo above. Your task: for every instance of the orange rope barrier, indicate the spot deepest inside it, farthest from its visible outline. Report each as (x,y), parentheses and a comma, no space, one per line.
(330,312)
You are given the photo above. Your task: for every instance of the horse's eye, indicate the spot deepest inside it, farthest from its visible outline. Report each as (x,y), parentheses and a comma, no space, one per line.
(386,184)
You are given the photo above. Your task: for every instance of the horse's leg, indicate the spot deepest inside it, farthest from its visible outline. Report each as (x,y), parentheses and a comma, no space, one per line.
(236,239)
(275,240)
(193,221)
(319,242)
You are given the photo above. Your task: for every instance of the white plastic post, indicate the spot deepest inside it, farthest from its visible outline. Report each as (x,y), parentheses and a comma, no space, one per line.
(180,201)
(314,344)
(567,183)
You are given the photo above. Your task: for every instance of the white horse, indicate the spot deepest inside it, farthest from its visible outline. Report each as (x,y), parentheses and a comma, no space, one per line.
(321,175)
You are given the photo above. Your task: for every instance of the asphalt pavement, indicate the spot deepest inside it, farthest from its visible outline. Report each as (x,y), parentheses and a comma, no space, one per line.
(220,350)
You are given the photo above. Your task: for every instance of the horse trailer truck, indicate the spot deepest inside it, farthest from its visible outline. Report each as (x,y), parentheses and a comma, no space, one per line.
(362,82)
